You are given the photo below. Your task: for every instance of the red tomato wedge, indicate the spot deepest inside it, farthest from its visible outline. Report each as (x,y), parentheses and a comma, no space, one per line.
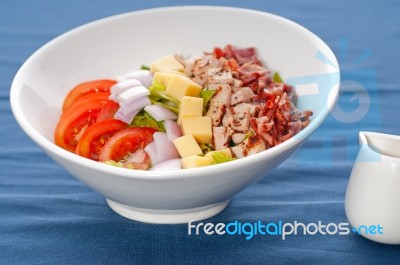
(87,98)
(74,122)
(95,86)
(126,147)
(96,135)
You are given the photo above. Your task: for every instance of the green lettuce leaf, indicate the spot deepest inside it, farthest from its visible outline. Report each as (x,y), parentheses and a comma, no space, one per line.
(171,106)
(248,134)
(206,148)
(277,78)
(220,157)
(117,164)
(144,119)
(206,95)
(158,96)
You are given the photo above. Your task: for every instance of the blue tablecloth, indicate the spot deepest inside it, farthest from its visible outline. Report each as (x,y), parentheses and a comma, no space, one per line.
(47,216)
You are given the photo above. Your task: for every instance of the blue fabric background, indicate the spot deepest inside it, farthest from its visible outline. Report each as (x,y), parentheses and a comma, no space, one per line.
(48,217)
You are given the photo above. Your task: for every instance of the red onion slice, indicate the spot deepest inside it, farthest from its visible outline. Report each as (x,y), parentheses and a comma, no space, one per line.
(144,76)
(132,94)
(172,129)
(165,149)
(171,164)
(127,118)
(151,150)
(124,85)
(139,103)
(160,113)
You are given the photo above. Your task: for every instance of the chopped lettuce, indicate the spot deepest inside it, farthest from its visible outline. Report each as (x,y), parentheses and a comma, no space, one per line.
(277,78)
(144,119)
(167,104)
(206,148)
(248,134)
(118,164)
(206,95)
(158,96)
(220,157)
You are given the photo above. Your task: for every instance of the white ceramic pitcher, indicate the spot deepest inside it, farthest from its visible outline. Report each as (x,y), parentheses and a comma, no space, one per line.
(373,191)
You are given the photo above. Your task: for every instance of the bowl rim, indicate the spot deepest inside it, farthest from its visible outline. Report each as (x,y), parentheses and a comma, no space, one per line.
(49,146)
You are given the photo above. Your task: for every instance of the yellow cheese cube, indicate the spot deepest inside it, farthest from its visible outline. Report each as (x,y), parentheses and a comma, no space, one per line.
(187,146)
(200,127)
(190,107)
(162,78)
(196,161)
(225,151)
(166,64)
(180,86)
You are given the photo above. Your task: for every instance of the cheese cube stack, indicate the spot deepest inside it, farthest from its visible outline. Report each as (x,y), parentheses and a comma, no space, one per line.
(199,127)
(187,146)
(166,64)
(190,107)
(196,161)
(162,78)
(180,86)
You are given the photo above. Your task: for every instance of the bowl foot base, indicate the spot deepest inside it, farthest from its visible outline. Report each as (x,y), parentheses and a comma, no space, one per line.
(167,216)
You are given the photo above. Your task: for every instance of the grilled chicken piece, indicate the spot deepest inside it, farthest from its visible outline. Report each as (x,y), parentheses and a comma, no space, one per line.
(237,138)
(202,65)
(216,111)
(222,94)
(250,107)
(244,94)
(219,76)
(221,137)
(200,79)
(252,145)
(190,64)
(237,83)
(241,119)
(218,103)
(238,118)
(227,120)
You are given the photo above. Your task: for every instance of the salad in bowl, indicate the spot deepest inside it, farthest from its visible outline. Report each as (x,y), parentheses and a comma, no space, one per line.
(181,112)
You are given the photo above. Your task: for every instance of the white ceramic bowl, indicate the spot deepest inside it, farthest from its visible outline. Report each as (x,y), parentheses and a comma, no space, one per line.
(121,43)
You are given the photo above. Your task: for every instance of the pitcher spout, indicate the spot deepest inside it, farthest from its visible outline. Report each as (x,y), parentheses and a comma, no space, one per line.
(383,144)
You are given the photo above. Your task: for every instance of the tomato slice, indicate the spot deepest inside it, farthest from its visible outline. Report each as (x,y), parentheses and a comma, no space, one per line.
(74,122)
(96,135)
(87,98)
(126,147)
(95,86)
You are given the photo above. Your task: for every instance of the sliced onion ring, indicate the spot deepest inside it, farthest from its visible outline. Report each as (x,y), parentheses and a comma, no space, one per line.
(127,118)
(166,150)
(124,85)
(144,76)
(132,94)
(172,129)
(139,103)
(160,113)
(151,150)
